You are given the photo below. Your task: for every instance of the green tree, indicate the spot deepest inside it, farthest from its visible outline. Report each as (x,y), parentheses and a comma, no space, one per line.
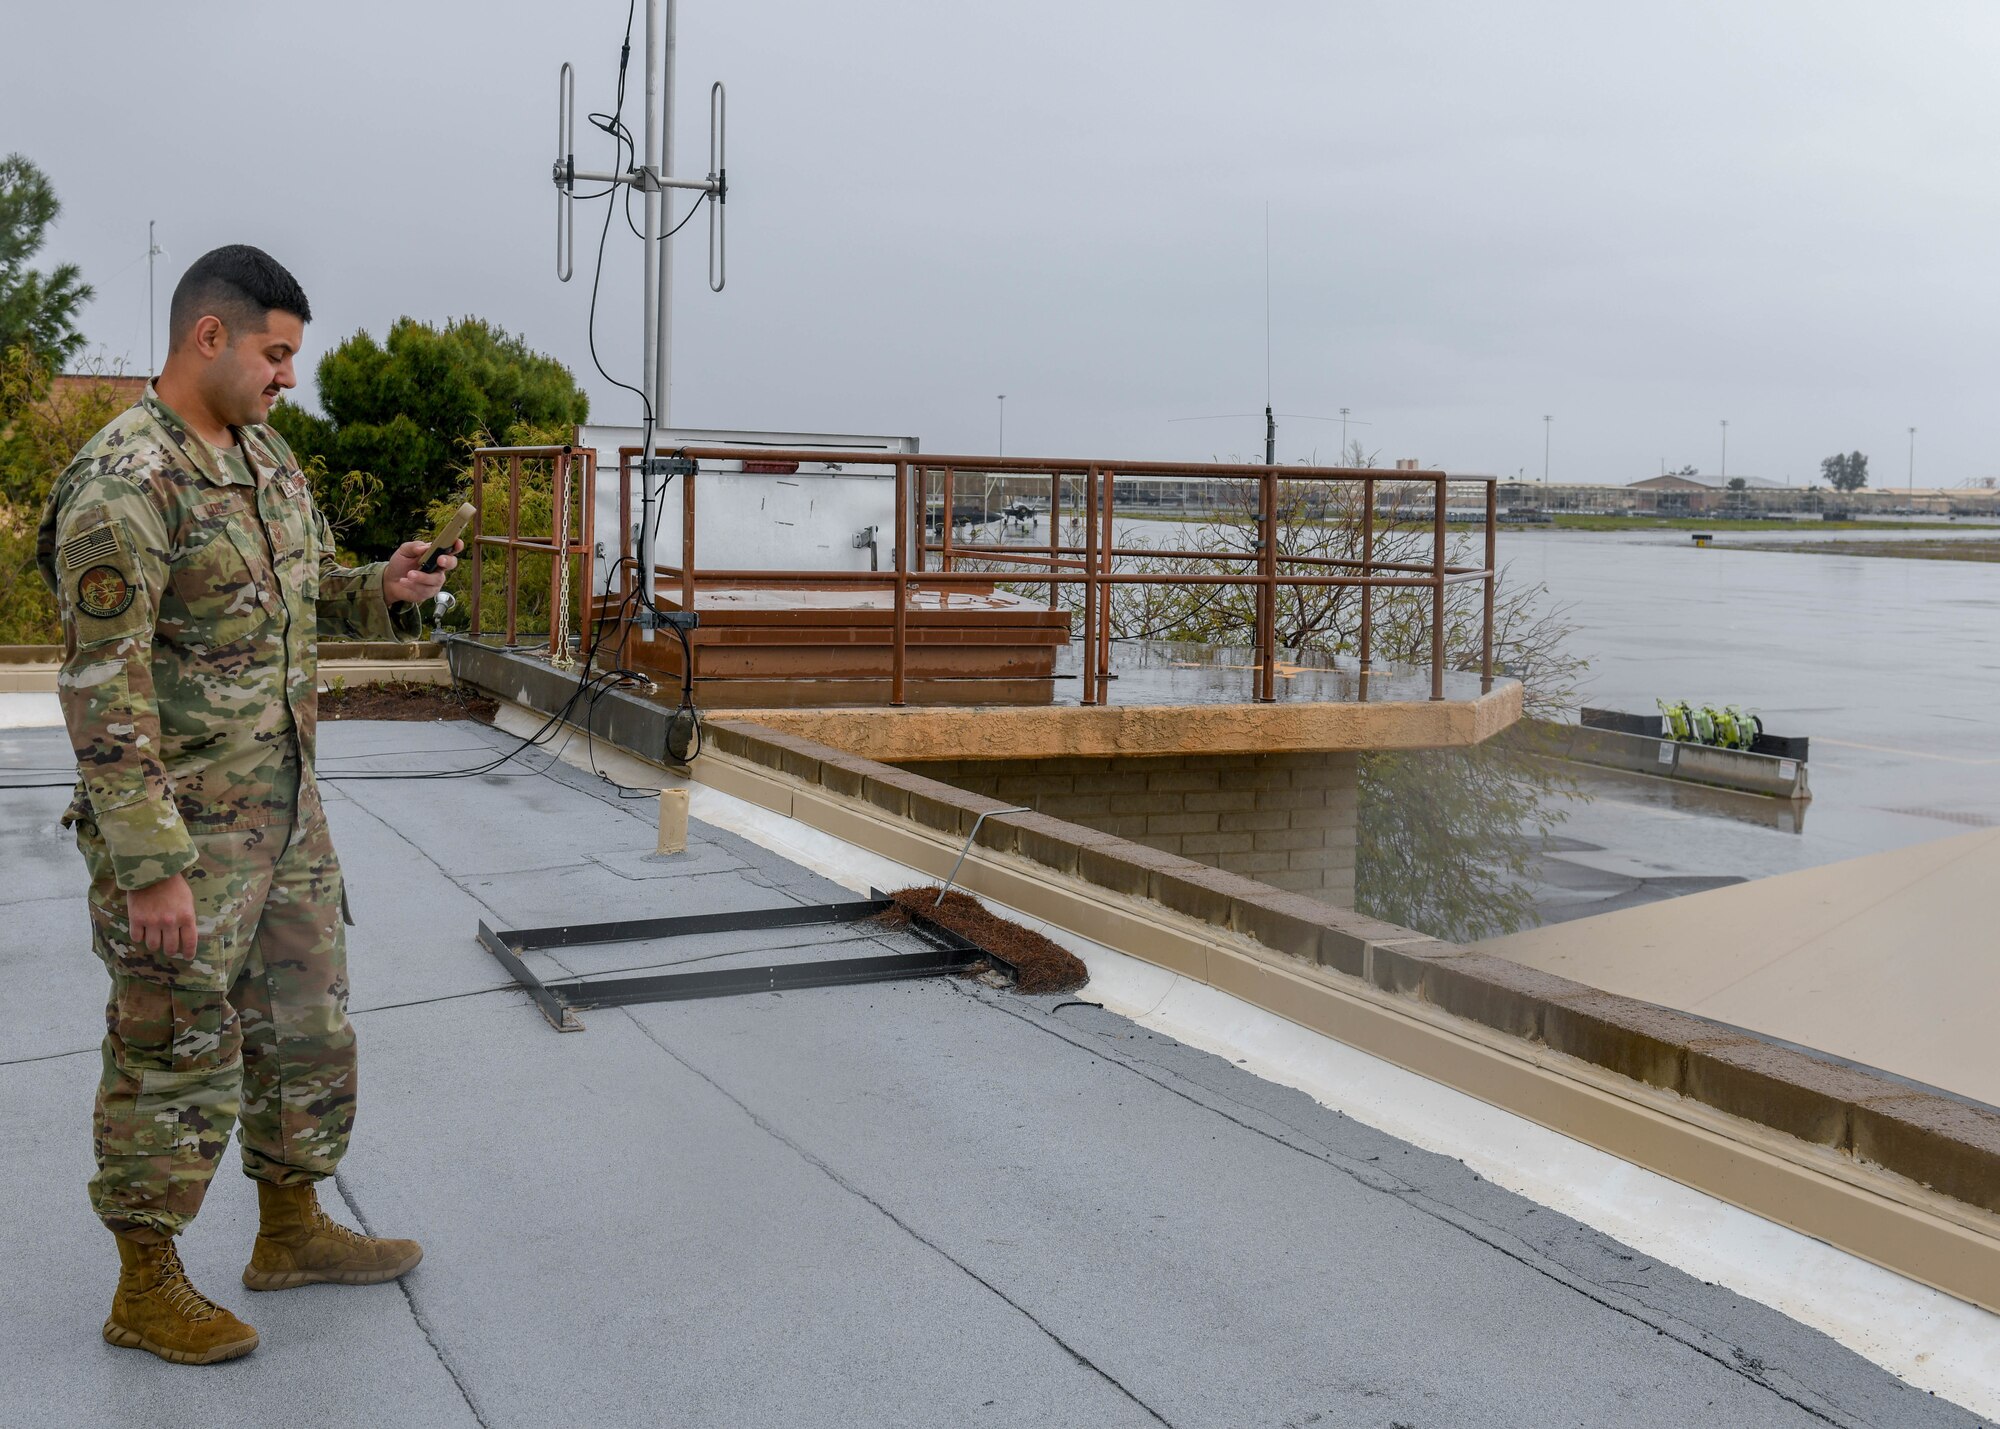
(401,410)
(40,431)
(1845,473)
(37,310)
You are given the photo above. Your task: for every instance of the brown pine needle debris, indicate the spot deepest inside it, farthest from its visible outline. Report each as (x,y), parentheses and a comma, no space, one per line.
(405,699)
(1040,965)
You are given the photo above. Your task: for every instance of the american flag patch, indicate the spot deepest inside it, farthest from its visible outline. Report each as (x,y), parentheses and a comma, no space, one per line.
(96,544)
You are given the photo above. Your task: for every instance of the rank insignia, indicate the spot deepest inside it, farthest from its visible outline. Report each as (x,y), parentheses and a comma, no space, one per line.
(103,591)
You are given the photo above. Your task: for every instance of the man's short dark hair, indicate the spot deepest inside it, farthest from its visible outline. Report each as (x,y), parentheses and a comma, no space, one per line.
(239,284)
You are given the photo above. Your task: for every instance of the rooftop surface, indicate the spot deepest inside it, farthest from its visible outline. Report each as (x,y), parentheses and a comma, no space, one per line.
(914,1204)
(1883,959)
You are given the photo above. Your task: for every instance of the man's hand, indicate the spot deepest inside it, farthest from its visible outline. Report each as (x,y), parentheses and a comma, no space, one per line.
(402,581)
(161,915)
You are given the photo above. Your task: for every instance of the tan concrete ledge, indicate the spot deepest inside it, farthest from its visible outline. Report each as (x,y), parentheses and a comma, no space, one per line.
(1904,1177)
(328,649)
(334,674)
(912,735)
(380,651)
(31,669)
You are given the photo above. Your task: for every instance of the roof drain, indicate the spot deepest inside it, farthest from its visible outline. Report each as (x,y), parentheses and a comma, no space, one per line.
(949,953)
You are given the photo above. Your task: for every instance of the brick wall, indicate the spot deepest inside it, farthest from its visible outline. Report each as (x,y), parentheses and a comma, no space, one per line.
(1284,819)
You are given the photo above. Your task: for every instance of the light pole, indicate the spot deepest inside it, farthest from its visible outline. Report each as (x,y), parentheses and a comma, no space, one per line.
(1343,433)
(152,252)
(1913,466)
(1725,451)
(1548,425)
(1003,425)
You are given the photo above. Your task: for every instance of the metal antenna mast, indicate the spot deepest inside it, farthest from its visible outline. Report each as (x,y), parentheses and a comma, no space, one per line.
(1270,422)
(1271,416)
(653,177)
(663,346)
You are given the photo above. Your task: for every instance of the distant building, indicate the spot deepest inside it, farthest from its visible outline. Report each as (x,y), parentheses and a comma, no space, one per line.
(1671,483)
(71,387)
(1695,494)
(1674,493)
(1703,495)
(66,385)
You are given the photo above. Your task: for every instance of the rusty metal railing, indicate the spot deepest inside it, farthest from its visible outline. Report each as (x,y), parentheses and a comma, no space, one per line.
(1092,564)
(571,537)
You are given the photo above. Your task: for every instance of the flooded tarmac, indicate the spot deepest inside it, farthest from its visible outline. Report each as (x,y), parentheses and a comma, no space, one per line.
(1891,667)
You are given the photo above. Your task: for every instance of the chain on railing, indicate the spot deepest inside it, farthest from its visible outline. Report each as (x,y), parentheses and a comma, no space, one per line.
(559,655)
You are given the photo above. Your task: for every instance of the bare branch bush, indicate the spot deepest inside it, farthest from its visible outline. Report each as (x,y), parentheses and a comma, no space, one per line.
(1448,838)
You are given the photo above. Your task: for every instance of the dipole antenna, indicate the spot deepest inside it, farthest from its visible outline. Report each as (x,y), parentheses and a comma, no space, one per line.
(651,175)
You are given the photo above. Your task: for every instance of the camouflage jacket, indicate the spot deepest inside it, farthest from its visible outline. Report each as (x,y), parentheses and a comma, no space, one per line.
(192,590)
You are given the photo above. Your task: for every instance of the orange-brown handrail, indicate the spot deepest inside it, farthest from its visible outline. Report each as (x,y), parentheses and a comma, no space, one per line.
(1092,564)
(514,543)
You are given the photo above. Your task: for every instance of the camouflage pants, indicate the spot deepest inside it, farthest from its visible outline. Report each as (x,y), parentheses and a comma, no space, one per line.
(252,1029)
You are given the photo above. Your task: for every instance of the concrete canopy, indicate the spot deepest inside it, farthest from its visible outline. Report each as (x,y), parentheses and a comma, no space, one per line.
(910,734)
(1885,959)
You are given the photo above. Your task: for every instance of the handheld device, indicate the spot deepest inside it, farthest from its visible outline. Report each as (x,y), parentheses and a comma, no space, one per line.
(441,543)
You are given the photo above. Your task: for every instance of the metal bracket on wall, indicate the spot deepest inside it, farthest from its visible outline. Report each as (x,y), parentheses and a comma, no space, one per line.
(948,954)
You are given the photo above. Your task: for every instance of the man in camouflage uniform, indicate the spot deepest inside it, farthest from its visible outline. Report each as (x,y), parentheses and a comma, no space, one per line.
(193,577)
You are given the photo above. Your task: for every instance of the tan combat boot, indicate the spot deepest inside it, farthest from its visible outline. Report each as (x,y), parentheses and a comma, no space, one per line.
(299,1244)
(156,1309)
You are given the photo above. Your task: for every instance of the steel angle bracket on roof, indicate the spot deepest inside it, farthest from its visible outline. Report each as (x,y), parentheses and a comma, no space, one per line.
(948,954)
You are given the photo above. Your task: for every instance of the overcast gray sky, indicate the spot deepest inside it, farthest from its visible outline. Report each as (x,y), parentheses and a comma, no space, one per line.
(1641,219)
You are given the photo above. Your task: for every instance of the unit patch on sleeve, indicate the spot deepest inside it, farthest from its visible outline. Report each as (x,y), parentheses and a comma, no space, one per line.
(104,592)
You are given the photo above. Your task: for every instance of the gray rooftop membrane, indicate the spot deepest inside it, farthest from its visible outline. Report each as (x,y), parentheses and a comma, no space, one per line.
(917,1204)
